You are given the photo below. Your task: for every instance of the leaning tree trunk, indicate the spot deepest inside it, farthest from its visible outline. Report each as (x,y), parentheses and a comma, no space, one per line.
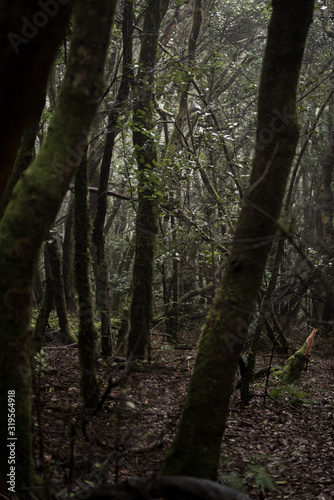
(147,211)
(196,446)
(30,213)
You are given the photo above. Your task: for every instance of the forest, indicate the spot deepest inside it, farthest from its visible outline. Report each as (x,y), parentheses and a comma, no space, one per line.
(166,249)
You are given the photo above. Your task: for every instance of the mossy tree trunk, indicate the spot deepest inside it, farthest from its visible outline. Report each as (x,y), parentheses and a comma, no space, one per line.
(147,158)
(67,336)
(173,311)
(68,260)
(196,446)
(38,290)
(291,372)
(32,209)
(87,334)
(102,282)
(46,306)
(122,270)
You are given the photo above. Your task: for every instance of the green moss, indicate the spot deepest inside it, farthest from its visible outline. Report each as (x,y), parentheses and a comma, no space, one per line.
(294,395)
(292,371)
(87,334)
(147,213)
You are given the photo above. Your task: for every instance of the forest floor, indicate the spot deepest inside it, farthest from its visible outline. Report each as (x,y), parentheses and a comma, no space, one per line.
(282,450)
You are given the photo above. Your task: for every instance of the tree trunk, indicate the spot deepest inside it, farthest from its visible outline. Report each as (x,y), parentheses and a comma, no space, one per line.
(25,154)
(87,334)
(122,270)
(147,158)
(68,260)
(46,306)
(196,447)
(36,200)
(38,290)
(102,282)
(57,277)
(291,372)
(26,56)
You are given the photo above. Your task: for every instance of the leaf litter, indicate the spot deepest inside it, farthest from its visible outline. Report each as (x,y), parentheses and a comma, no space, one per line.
(284,450)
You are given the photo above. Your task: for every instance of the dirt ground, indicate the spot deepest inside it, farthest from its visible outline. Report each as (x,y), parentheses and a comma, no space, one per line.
(282,450)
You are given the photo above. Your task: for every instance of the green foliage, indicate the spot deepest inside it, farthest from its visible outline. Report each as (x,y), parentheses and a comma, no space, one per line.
(261,478)
(226,461)
(53,320)
(115,322)
(33,319)
(256,473)
(41,363)
(291,394)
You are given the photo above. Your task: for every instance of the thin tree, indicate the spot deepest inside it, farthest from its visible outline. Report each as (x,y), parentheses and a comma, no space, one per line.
(87,334)
(67,336)
(102,282)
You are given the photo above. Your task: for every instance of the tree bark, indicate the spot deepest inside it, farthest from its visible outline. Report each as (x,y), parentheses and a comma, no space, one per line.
(102,282)
(196,447)
(68,260)
(46,306)
(147,158)
(248,375)
(58,286)
(87,334)
(34,205)
(25,154)
(27,52)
